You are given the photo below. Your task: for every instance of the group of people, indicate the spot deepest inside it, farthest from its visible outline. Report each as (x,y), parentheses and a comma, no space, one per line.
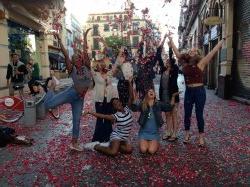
(110,110)
(19,74)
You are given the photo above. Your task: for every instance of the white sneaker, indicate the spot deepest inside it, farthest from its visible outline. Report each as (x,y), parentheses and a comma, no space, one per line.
(91,145)
(105,144)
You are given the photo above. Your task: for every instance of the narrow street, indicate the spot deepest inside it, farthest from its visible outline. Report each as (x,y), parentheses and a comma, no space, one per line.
(49,162)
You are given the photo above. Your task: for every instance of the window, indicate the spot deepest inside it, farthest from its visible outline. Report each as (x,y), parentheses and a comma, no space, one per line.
(96,44)
(125,17)
(135,41)
(95,30)
(135,26)
(106,27)
(98,18)
(115,26)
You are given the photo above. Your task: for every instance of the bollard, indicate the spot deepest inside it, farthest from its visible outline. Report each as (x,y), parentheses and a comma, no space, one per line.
(29,112)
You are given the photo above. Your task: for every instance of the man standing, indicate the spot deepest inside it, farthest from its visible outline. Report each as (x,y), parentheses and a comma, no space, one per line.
(33,72)
(15,73)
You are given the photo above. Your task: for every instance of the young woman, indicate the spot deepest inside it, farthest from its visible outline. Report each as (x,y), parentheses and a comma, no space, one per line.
(102,95)
(168,86)
(150,120)
(80,72)
(119,137)
(193,66)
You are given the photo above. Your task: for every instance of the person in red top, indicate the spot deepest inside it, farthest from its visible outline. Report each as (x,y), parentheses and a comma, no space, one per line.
(193,66)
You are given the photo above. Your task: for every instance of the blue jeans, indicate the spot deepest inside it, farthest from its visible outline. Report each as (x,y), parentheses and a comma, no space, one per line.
(197,96)
(71,96)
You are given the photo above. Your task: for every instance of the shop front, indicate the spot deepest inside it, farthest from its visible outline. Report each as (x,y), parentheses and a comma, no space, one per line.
(241,61)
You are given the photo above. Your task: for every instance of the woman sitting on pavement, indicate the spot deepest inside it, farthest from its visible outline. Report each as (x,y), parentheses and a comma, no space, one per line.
(119,137)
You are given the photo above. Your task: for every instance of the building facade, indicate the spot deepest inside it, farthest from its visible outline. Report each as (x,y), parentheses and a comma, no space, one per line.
(23,31)
(114,24)
(74,34)
(203,24)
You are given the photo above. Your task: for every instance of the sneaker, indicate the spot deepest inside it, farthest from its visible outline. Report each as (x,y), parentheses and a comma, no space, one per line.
(105,144)
(76,147)
(91,145)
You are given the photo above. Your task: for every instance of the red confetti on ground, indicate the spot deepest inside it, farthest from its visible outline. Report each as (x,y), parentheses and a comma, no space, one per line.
(224,161)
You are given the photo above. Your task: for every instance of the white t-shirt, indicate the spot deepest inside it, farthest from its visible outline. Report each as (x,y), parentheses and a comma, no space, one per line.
(123,125)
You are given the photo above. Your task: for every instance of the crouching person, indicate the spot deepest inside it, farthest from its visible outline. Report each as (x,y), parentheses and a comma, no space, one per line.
(123,120)
(150,120)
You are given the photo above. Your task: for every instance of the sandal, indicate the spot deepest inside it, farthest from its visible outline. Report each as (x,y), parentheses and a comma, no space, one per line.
(187,139)
(201,143)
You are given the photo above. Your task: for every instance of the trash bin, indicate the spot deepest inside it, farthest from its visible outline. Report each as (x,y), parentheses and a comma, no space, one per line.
(29,112)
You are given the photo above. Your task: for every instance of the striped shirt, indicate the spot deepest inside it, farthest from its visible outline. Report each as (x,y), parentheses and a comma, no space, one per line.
(123,125)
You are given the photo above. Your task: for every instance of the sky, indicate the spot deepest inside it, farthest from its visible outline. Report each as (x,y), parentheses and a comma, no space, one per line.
(160,15)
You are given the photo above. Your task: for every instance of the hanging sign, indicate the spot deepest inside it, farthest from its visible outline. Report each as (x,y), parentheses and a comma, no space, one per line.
(213,20)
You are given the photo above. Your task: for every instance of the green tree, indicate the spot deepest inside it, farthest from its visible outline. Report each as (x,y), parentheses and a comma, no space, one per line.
(115,42)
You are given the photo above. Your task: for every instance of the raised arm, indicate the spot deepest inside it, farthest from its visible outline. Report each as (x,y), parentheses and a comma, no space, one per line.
(86,58)
(69,65)
(205,60)
(176,51)
(131,93)
(170,53)
(163,41)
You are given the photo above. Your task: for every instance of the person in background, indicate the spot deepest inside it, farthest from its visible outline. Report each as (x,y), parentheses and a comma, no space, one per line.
(16,71)
(34,73)
(102,95)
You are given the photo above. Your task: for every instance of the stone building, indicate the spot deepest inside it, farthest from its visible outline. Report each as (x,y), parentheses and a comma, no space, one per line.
(21,24)
(106,24)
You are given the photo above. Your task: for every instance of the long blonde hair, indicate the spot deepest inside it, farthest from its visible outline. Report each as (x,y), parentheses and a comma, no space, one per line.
(145,101)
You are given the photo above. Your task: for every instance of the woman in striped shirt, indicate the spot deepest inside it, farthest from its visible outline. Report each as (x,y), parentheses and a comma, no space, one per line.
(119,137)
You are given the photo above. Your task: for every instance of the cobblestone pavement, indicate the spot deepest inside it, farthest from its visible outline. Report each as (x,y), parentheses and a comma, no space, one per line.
(224,161)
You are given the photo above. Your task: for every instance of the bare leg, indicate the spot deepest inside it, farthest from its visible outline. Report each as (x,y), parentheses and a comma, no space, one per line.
(125,148)
(169,122)
(175,122)
(112,150)
(143,145)
(153,146)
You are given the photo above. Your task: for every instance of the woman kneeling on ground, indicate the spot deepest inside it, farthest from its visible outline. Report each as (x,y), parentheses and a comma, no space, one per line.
(119,136)
(151,120)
